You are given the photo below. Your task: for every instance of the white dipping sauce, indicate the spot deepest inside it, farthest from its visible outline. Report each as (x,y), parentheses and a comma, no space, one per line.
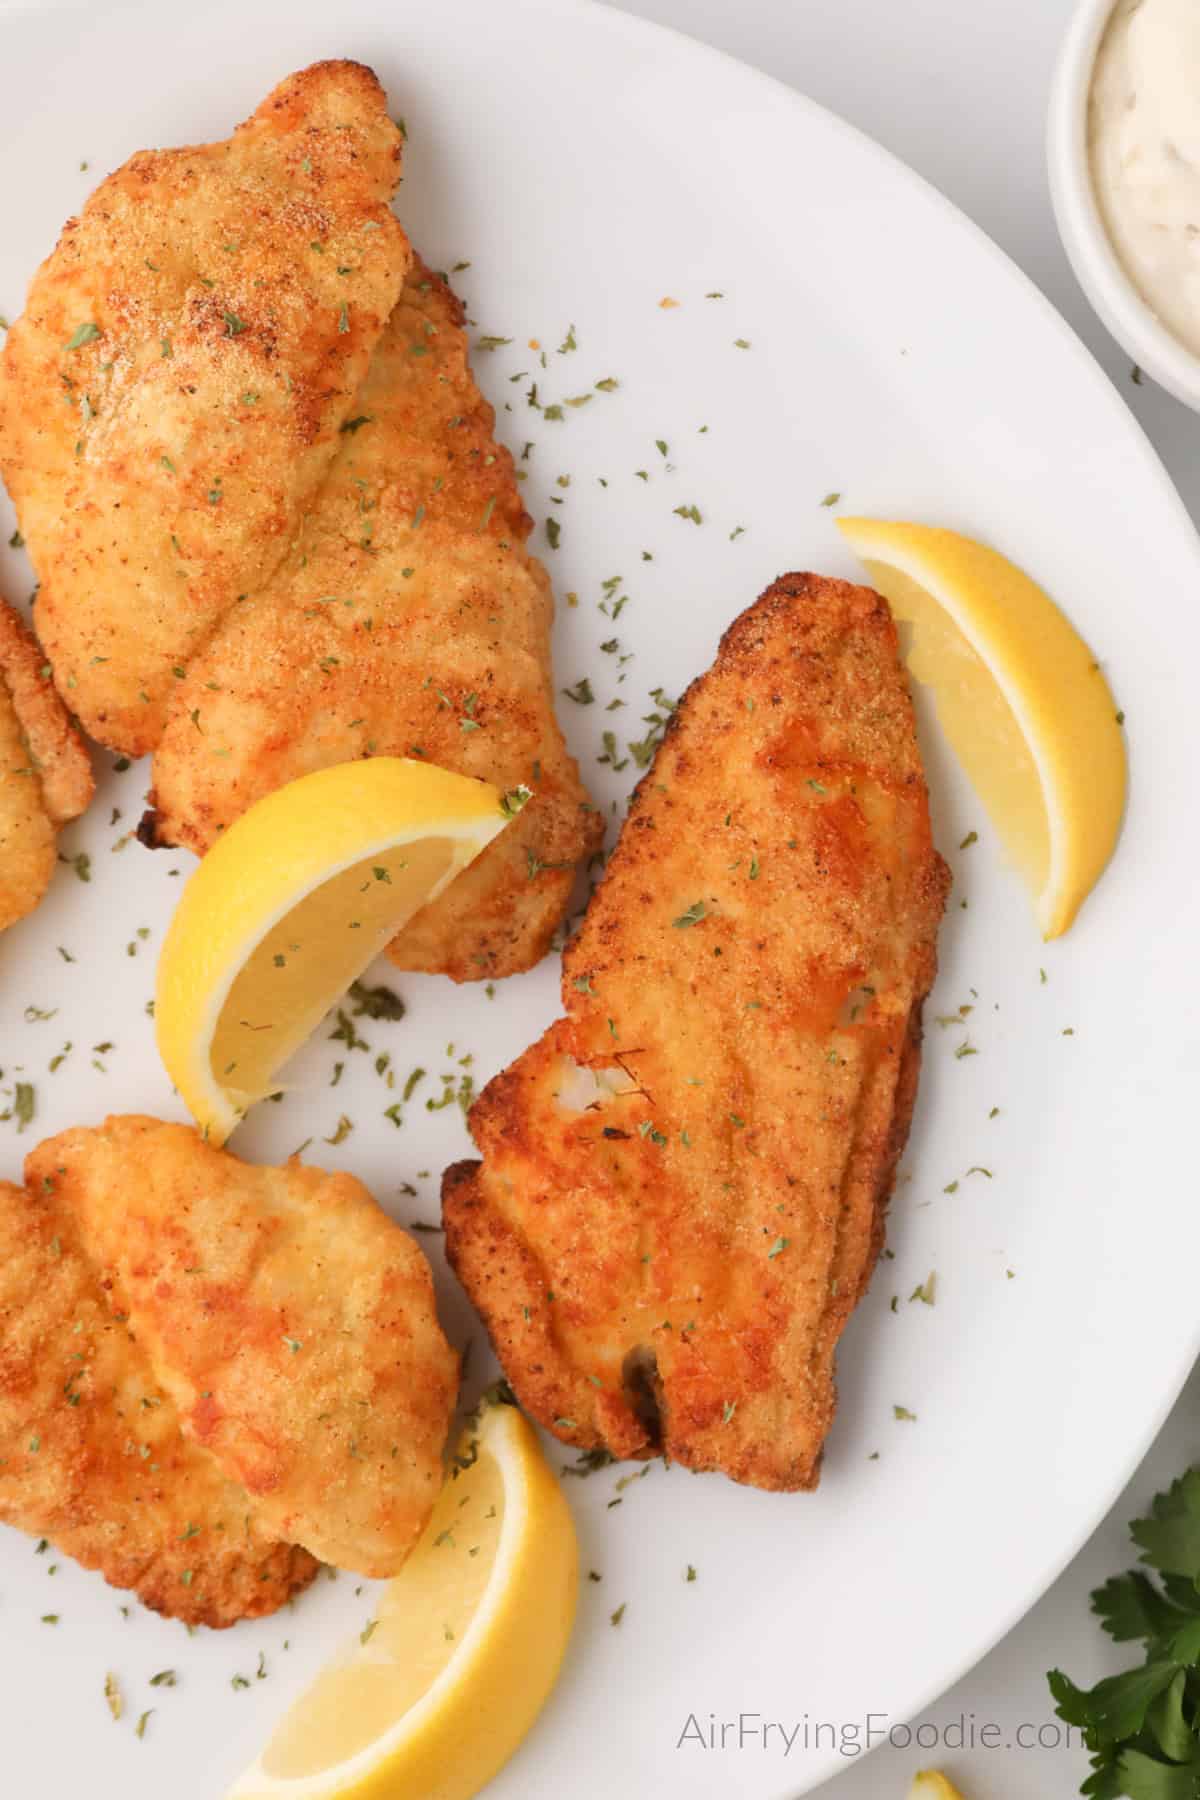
(1144,148)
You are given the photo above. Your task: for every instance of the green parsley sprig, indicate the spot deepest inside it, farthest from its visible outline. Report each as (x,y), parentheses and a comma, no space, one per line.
(1143,1726)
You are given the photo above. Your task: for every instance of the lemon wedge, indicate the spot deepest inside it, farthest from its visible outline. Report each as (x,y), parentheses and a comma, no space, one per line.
(290,906)
(931,1784)
(1020,697)
(449,1676)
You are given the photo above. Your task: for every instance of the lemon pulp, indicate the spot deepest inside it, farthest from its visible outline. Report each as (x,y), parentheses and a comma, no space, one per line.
(979,724)
(1020,696)
(450,1674)
(319,947)
(409,1643)
(290,906)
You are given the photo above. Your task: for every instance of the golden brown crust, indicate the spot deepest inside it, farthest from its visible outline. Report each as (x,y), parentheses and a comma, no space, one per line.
(291,1322)
(683,1184)
(207,320)
(45,774)
(92,1456)
(59,756)
(410,619)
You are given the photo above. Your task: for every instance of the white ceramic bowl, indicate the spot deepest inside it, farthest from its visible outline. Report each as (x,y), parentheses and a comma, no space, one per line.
(1100,274)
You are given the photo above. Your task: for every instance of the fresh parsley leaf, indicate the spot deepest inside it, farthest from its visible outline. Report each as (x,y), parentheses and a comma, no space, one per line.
(1170,1728)
(1143,1777)
(1142,1726)
(1116,1707)
(1169,1539)
(1130,1607)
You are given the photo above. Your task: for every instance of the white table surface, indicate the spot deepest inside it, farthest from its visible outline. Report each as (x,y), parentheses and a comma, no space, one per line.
(959,92)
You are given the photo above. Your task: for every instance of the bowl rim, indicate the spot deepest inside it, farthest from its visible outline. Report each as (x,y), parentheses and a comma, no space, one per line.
(1090,250)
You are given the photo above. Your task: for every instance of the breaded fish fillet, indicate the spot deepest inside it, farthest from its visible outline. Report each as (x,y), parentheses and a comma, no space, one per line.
(92,1456)
(45,774)
(290,1321)
(410,620)
(683,1184)
(172,395)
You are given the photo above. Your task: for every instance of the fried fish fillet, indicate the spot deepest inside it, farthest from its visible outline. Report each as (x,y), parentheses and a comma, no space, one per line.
(288,1319)
(683,1184)
(172,395)
(92,1456)
(45,775)
(409,620)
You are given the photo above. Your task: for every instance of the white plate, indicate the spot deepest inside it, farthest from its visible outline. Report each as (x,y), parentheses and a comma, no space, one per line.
(589,166)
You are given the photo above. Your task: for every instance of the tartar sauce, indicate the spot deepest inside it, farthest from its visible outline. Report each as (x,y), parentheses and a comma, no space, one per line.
(1144,146)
